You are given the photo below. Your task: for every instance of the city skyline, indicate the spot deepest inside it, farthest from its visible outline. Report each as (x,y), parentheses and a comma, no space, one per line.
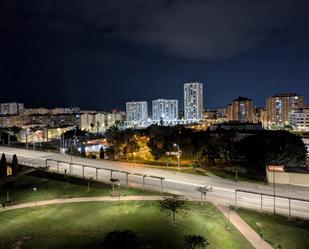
(82,56)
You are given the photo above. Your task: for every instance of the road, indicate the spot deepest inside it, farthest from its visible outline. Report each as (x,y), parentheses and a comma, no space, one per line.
(174,182)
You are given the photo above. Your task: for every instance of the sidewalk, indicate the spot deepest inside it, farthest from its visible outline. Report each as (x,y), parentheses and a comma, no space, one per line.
(244,228)
(82,199)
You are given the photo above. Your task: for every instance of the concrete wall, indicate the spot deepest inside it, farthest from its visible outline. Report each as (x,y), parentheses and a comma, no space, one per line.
(288,178)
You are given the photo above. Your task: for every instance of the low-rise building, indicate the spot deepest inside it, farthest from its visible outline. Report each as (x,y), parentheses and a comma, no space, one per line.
(299,119)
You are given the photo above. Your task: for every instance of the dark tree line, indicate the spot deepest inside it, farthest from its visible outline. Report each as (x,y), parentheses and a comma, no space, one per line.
(14,165)
(252,151)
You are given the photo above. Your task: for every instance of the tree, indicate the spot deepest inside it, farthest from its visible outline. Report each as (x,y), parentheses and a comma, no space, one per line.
(115,140)
(212,150)
(102,153)
(195,241)
(120,239)
(236,170)
(3,166)
(280,147)
(83,151)
(73,151)
(92,126)
(15,166)
(204,191)
(175,204)
(199,156)
(98,126)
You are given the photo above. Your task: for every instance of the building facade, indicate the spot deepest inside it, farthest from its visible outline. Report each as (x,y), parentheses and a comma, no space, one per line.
(279,106)
(241,110)
(137,111)
(193,101)
(93,122)
(12,108)
(299,119)
(165,110)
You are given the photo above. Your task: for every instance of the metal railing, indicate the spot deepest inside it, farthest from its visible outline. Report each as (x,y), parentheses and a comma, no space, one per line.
(262,206)
(97,169)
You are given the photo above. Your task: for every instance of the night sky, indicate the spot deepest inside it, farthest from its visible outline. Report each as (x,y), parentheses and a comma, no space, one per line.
(98,54)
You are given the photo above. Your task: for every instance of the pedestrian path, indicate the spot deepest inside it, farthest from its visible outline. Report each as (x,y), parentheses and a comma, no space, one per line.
(252,236)
(82,199)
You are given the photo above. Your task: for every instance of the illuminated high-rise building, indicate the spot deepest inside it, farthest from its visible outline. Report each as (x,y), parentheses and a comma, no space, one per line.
(12,108)
(193,101)
(165,110)
(279,106)
(137,111)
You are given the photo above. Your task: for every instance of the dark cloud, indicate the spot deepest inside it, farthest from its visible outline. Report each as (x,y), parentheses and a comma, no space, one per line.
(81,52)
(200,29)
(212,29)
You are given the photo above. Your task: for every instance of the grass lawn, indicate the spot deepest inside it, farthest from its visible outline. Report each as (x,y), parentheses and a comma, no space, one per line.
(221,172)
(55,186)
(83,225)
(278,230)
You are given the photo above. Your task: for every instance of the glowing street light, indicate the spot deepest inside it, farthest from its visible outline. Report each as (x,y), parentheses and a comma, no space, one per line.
(178,155)
(34,189)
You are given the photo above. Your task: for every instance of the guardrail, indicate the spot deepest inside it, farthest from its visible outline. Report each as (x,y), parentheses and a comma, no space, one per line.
(273,197)
(97,169)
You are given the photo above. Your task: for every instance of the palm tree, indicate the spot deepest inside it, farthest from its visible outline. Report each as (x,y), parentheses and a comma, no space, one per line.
(92,126)
(98,126)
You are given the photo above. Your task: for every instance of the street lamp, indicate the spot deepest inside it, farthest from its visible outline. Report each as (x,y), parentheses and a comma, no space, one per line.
(27,130)
(118,185)
(228,210)
(133,158)
(178,155)
(34,189)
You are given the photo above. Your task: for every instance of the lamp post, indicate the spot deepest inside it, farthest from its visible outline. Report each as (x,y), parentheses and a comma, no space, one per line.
(34,189)
(228,210)
(178,155)
(274,188)
(133,158)
(27,146)
(118,185)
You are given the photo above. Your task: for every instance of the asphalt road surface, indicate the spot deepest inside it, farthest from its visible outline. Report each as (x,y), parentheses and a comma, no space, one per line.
(174,182)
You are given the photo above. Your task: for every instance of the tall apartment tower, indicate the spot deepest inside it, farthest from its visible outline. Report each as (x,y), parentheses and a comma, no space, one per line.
(137,111)
(193,101)
(165,109)
(241,110)
(278,107)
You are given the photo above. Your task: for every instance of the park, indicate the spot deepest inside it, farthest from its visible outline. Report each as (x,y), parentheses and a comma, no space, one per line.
(82,222)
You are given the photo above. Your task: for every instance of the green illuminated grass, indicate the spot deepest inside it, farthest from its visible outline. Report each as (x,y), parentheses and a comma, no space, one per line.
(278,230)
(83,225)
(49,188)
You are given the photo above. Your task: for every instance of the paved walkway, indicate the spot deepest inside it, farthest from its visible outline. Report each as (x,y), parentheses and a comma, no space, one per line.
(233,217)
(82,199)
(244,228)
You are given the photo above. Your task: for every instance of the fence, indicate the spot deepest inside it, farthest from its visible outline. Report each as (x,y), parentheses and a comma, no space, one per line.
(290,206)
(95,173)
